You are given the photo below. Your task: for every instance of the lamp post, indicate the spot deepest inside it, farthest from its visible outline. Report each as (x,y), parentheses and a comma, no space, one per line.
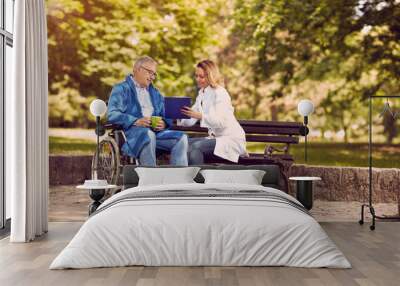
(98,108)
(305,108)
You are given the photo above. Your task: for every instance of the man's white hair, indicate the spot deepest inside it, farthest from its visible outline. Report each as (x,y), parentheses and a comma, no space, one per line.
(140,61)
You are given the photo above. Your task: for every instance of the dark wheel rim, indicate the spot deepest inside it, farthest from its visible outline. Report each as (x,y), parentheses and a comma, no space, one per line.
(108,162)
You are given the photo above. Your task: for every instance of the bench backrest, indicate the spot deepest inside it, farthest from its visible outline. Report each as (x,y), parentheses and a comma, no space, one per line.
(260,131)
(256,131)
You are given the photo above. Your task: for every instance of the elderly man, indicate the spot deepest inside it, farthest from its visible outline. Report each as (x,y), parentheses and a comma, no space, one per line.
(131,104)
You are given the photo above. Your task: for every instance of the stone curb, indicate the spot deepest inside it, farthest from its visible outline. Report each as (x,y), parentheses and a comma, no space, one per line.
(69,170)
(337,184)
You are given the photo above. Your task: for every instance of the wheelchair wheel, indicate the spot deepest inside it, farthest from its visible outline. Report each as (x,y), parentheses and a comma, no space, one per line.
(108,161)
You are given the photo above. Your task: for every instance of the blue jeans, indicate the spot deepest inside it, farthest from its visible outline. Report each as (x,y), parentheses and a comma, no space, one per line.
(177,147)
(198,147)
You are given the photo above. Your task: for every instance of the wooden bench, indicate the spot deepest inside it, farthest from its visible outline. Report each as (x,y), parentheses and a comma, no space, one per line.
(273,132)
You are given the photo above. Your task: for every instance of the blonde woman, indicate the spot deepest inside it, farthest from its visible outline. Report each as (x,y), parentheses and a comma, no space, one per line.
(214,109)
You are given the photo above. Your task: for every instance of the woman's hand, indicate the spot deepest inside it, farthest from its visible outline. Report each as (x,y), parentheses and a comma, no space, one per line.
(160,125)
(191,113)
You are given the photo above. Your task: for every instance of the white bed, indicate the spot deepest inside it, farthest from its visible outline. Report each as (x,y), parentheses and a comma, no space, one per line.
(185,230)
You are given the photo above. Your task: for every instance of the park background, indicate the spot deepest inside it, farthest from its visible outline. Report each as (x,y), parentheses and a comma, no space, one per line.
(272,54)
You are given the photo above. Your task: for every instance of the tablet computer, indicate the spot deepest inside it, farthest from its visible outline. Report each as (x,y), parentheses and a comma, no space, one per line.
(174,104)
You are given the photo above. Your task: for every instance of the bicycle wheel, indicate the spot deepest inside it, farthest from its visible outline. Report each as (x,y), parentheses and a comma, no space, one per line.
(107,165)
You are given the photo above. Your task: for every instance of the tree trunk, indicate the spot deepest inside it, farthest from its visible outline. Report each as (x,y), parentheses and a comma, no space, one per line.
(274,112)
(345,128)
(346,135)
(390,128)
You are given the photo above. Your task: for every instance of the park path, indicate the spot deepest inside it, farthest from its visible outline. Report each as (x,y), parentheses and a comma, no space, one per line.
(67,203)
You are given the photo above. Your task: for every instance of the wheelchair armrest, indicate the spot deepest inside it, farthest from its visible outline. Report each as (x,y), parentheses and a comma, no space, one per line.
(112,126)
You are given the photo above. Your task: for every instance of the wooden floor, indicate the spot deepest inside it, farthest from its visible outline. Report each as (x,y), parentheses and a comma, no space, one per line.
(375,257)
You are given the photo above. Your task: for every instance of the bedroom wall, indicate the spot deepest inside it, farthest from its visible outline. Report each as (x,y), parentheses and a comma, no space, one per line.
(338,183)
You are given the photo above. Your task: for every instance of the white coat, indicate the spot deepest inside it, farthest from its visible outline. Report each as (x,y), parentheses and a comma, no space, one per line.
(218,116)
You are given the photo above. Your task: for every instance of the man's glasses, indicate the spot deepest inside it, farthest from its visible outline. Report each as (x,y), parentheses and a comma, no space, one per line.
(150,72)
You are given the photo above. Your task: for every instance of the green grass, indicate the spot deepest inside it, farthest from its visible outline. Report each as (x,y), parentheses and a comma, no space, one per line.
(69,146)
(341,154)
(328,154)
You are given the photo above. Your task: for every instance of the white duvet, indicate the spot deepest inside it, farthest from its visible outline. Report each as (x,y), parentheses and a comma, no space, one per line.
(200,231)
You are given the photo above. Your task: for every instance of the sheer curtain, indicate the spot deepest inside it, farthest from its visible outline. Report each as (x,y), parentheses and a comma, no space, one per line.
(27,124)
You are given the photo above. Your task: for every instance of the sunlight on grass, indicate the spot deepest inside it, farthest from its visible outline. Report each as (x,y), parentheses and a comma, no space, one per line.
(70,146)
(341,154)
(327,154)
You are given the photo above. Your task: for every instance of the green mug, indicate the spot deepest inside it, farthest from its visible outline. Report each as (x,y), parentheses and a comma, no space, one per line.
(155,120)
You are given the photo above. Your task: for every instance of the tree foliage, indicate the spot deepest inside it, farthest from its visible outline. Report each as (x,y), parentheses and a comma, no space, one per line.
(272,52)
(351,46)
(93,44)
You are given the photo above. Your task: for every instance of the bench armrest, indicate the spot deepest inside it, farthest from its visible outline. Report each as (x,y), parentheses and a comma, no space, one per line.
(269,150)
(113,126)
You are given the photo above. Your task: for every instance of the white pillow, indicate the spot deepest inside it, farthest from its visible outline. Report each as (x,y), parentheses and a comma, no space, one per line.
(166,176)
(249,177)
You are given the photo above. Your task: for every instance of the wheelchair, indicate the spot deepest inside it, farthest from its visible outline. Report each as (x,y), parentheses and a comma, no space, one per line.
(107,164)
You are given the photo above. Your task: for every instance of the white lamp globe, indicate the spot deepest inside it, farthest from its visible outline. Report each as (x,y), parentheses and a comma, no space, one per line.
(98,107)
(305,107)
